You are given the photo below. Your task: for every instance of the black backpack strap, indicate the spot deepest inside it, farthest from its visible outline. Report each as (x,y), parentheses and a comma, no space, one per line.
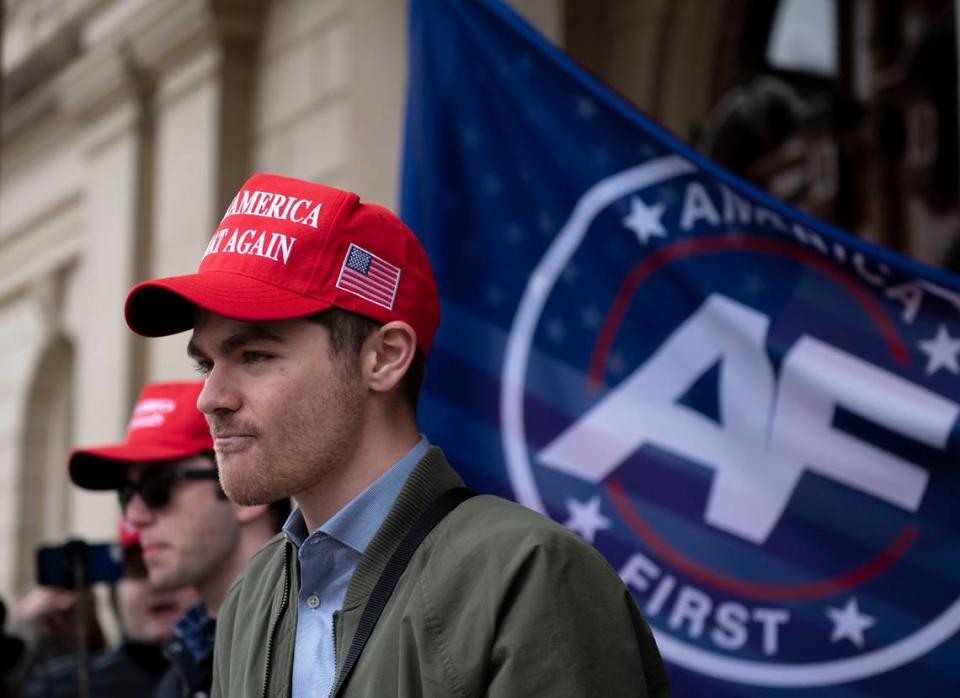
(434,514)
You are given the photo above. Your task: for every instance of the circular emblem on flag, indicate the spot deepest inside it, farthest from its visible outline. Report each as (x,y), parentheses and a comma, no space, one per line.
(752,418)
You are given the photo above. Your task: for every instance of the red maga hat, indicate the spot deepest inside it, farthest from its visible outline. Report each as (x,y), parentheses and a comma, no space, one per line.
(165,425)
(287,248)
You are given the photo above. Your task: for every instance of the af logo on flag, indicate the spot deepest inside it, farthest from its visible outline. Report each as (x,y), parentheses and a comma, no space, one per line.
(752,415)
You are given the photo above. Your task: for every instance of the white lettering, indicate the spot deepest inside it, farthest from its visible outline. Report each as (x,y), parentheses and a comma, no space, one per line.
(697,206)
(731,631)
(231,245)
(275,204)
(746,496)
(155,405)
(768,435)
(263,204)
(243,247)
(638,571)
(911,295)
(284,245)
(286,209)
(660,595)
(816,379)
(771,619)
(693,607)
(765,216)
(874,278)
(693,611)
(809,238)
(313,217)
(212,245)
(268,204)
(296,206)
(222,234)
(145,421)
(248,199)
(735,209)
(257,247)
(251,242)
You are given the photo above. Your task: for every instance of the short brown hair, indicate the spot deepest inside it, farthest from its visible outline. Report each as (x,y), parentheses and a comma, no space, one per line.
(348,331)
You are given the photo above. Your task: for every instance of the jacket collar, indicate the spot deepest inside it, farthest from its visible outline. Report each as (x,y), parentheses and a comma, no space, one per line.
(432,477)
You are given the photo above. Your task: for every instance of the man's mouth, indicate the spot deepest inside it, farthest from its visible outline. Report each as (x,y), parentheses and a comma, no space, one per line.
(152,550)
(231,436)
(165,610)
(231,442)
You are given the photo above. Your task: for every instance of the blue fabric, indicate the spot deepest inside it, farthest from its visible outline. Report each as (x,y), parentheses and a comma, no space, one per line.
(196,630)
(750,413)
(328,558)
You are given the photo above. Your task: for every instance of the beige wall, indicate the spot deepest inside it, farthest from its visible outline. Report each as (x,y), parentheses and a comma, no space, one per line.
(117,165)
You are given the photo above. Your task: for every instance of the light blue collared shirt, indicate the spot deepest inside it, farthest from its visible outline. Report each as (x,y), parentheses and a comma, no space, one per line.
(328,558)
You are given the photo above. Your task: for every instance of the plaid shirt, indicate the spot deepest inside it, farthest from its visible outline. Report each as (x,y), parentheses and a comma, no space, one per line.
(196,630)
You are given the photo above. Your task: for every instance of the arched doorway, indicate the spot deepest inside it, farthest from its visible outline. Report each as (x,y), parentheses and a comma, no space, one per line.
(47,435)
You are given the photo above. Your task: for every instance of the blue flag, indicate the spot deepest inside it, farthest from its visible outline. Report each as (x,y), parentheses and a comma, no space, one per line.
(751,414)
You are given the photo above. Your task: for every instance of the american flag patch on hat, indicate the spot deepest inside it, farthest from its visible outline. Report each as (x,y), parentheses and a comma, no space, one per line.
(366,275)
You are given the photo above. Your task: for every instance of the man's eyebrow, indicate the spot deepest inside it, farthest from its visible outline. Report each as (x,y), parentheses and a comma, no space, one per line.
(253,333)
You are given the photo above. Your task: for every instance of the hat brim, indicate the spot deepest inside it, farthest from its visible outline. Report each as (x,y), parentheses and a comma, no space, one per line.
(105,467)
(167,306)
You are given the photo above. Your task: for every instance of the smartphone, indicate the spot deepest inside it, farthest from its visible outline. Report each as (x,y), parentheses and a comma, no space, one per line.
(64,565)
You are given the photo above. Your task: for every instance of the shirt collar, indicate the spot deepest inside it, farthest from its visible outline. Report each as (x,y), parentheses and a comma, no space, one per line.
(196,629)
(357,522)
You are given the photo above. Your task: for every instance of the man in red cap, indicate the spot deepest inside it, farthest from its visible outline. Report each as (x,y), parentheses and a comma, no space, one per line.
(312,314)
(189,533)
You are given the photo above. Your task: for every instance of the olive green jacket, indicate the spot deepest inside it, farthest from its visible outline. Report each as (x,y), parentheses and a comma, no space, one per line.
(496,601)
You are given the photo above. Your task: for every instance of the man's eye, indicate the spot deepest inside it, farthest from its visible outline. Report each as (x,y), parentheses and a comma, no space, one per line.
(203,367)
(255,357)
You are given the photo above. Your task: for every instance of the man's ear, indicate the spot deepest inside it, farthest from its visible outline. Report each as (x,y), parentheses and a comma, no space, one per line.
(387,354)
(246,514)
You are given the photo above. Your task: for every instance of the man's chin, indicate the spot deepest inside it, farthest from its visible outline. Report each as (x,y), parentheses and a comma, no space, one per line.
(244,481)
(244,499)
(243,493)
(162,581)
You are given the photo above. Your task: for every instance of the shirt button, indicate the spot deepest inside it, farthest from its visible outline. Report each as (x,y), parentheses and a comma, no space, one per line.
(313,601)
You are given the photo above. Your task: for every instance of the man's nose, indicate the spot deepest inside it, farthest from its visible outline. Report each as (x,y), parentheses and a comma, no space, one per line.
(138,513)
(218,394)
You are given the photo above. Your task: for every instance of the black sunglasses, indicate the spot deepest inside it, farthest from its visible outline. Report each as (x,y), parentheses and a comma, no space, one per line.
(155,486)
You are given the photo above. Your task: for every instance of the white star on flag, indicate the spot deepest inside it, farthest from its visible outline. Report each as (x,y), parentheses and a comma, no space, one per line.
(645,220)
(586,518)
(941,351)
(849,623)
